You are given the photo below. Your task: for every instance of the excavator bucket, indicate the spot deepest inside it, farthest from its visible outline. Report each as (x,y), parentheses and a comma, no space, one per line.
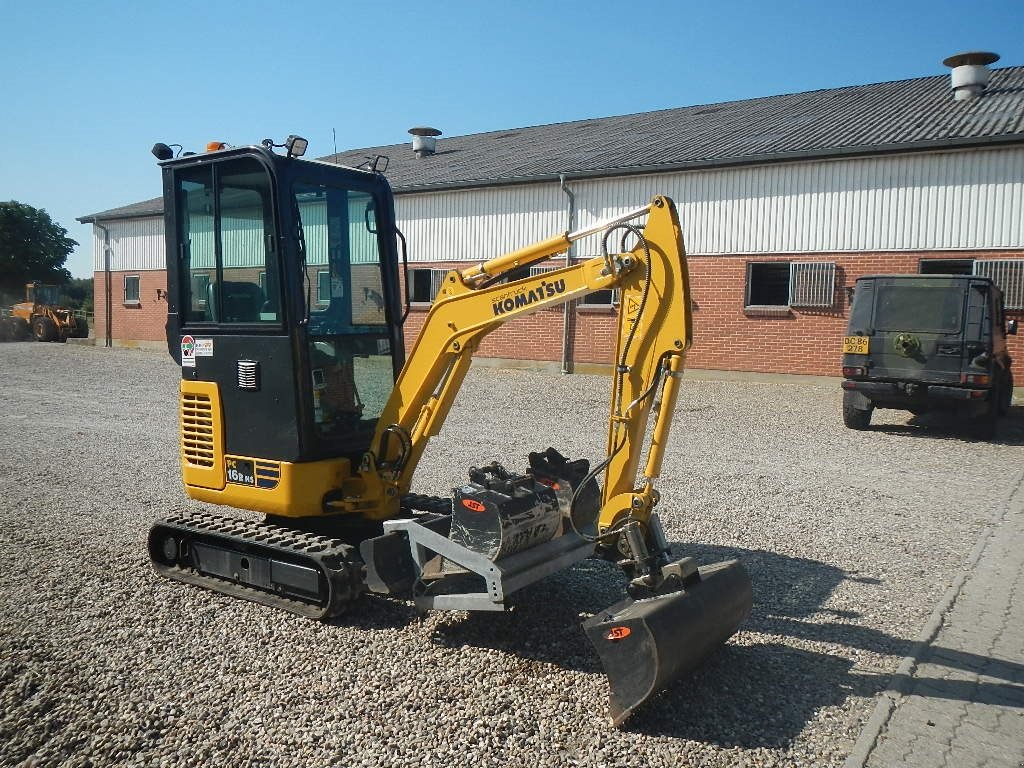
(647,644)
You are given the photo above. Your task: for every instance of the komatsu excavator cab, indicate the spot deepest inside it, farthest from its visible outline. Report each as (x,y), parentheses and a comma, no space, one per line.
(283,307)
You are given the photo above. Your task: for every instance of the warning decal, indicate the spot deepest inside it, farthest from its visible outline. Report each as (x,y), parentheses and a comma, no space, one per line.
(632,307)
(188,352)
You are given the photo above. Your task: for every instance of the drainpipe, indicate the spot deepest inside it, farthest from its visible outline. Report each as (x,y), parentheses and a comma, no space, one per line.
(570,251)
(108,340)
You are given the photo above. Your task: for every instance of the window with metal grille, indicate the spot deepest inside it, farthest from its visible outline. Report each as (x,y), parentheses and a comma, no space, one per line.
(424,284)
(131,289)
(790,284)
(1008,274)
(534,271)
(812,283)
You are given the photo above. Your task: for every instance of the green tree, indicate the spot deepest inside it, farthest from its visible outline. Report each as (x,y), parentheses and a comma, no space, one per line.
(77,294)
(32,247)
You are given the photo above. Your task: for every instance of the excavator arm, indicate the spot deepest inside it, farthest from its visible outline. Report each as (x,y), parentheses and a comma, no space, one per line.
(676,613)
(653,335)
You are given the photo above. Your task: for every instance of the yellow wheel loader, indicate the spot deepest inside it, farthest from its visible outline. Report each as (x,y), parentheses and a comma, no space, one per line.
(298,401)
(41,317)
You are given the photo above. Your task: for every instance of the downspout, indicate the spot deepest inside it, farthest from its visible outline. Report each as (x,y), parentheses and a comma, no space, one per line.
(108,340)
(569,253)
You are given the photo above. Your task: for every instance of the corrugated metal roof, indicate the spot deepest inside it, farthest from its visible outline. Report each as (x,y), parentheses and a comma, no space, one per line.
(154,207)
(899,116)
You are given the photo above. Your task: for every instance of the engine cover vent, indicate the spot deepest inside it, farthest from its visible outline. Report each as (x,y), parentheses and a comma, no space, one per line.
(248,374)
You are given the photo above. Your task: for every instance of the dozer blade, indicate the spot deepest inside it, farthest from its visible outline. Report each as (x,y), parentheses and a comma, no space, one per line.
(646,644)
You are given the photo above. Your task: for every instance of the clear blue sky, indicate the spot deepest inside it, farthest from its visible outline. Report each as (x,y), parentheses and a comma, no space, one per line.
(90,86)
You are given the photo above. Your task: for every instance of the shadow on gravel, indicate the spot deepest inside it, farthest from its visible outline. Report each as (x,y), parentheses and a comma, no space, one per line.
(948,426)
(749,695)
(745,695)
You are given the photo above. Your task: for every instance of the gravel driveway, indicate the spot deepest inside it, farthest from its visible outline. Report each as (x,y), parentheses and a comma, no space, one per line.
(850,539)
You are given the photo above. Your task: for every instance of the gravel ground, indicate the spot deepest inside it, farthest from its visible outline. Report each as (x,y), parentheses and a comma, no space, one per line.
(850,539)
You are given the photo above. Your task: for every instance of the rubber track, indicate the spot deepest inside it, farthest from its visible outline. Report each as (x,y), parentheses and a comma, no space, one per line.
(337,562)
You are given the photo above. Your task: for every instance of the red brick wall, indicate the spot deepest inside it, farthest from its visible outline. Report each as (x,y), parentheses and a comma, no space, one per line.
(804,340)
(144,322)
(725,336)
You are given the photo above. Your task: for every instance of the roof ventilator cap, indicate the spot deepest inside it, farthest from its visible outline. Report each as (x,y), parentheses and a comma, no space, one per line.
(424,140)
(970,73)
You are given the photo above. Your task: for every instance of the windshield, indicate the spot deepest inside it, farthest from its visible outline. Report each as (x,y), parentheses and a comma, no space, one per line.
(907,307)
(46,294)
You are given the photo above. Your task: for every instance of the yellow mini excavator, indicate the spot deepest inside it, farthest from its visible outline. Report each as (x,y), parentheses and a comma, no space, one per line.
(297,401)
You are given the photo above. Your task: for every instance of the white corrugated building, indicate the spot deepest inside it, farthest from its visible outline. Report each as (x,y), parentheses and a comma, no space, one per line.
(784,201)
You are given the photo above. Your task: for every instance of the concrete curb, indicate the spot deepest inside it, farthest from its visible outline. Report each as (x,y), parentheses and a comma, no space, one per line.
(898,683)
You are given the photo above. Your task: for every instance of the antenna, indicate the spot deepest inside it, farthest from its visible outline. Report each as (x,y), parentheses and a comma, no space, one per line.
(334,133)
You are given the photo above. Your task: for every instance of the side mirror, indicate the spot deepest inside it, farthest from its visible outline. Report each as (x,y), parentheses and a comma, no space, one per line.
(1011,328)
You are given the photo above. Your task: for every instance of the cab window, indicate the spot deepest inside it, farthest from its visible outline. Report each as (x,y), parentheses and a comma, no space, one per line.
(228,246)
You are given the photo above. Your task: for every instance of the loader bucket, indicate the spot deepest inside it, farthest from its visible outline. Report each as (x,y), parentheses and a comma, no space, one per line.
(647,644)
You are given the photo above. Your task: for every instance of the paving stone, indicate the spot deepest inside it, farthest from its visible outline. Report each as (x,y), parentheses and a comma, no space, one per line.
(969,682)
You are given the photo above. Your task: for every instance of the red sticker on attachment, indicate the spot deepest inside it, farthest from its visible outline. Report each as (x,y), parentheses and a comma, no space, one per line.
(617,633)
(473,506)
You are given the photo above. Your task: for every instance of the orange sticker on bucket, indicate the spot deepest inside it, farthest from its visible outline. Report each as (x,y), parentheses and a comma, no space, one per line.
(617,633)
(473,506)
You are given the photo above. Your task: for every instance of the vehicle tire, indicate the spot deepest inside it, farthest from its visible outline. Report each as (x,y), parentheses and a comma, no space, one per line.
(1006,394)
(984,427)
(19,328)
(853,417)
(6,330)
(43,329)
(81,328)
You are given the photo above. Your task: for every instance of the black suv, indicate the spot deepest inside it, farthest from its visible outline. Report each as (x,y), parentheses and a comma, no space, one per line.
(925,342)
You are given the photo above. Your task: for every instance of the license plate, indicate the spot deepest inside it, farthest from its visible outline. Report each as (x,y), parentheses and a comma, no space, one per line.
(855,345)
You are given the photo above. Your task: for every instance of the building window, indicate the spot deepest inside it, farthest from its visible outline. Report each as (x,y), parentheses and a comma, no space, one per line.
(424,284)
(605,298)
(131,289)
(768,284)
(1008,274)
(534,271)
(946,266)
(790,284)
(812,283)
(323,286)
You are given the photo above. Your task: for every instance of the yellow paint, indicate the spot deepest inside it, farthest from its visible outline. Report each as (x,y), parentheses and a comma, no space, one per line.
(299,491)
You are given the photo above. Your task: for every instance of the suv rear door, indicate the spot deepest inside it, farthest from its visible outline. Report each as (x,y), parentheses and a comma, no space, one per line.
(918,328)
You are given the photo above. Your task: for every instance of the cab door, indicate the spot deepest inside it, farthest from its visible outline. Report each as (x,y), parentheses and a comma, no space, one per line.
(231,323)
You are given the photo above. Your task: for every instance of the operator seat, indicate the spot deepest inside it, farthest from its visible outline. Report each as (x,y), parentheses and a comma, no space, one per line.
(242,302)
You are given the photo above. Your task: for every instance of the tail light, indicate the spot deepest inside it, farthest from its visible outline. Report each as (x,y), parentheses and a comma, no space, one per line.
(853,370)
(981,379)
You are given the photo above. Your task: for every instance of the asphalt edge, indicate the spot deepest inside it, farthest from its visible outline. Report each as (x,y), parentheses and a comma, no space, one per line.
(890,698)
